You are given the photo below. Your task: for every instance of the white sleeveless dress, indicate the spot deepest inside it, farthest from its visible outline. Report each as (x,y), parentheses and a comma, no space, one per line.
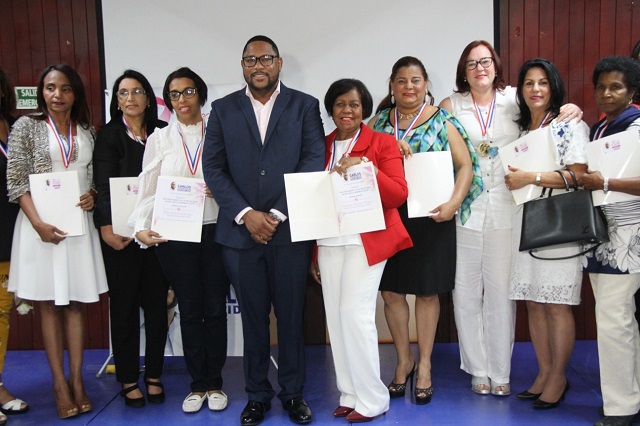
(73,270)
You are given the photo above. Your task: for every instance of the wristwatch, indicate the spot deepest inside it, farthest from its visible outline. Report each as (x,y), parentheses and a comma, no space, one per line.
(605,185)
(538,178)
(275,217)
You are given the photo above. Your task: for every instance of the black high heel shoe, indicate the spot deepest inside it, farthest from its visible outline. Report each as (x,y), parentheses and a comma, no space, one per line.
(398,390)
(132,402)
(544,405)
(528,396)
(423,396)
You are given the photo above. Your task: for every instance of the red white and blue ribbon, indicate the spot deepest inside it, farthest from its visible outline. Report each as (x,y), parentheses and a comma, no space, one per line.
(66,149)
(396,129)
(544,120)
(193,160)
(140,140)
(352,143)
(485,125)
(5,149)
(600,130)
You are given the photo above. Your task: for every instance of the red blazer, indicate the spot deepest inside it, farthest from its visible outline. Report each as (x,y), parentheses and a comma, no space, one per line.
(381,149)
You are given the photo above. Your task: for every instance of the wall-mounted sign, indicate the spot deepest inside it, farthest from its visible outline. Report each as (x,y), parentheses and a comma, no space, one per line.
(26,97)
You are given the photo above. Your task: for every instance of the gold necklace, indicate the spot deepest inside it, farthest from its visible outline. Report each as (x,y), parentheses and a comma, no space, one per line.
(408,116)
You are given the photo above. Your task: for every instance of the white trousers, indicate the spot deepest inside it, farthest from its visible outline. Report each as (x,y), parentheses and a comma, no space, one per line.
(350,290)
(618,342)
(485,317)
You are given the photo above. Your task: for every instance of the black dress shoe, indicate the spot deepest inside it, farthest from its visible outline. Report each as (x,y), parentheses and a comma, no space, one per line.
(615,421)
(528,396)
(253,413)
(132,402)
(157,398)
(299,411)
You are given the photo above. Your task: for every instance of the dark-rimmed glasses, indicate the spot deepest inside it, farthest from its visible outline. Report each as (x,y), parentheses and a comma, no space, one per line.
(124,93)
(265,60)
(485,62)
(188,93)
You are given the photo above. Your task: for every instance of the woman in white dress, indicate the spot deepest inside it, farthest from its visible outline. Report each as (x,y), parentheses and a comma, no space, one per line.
(485,317)
(61,273)
(550,287)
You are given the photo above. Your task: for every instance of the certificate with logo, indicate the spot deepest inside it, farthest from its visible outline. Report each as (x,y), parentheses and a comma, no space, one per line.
(430,179)
(615,156)
(124,193)
(325,205)
(178,208)
(532,152)
(56,197)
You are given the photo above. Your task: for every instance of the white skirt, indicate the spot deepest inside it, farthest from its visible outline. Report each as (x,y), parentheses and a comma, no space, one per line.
(73,270)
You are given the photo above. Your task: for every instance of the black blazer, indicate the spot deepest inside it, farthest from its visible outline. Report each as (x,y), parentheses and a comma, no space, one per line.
(243,172)
(115,155)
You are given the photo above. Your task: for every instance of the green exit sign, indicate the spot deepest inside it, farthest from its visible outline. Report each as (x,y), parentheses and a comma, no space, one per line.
(26,97)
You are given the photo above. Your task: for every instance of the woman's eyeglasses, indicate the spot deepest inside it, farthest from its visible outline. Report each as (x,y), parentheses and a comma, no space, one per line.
(188,93)
(137,92)
(485,62)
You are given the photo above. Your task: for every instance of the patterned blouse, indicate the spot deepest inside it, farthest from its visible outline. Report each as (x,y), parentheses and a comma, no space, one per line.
(621,255)
(432,136)
(29,154)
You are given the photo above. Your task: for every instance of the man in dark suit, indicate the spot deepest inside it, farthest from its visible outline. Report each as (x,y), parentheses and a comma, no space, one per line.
(254,137)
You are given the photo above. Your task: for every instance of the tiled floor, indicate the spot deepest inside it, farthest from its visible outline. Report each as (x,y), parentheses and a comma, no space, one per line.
(27,375)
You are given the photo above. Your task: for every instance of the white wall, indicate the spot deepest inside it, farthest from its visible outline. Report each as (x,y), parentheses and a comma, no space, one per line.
(320,41)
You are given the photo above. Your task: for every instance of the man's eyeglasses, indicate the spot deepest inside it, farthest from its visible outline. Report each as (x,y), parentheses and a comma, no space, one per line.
(485,62)
(137,92)
(265,60)
(188,93)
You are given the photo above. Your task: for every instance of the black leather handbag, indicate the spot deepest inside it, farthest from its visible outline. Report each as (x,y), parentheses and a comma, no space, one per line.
(564,218)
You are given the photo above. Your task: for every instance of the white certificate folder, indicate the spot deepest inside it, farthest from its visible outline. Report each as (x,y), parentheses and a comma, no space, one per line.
(178,208)
(532,152)
(123,192)
(430,179)
(324,205)
(615,156)
(56,197)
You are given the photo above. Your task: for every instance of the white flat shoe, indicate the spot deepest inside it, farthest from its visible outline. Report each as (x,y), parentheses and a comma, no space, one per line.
(506,391)
(193,403)
(217,401)
(480,385)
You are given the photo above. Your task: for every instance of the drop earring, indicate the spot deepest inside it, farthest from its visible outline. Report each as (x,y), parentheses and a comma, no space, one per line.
(393,98)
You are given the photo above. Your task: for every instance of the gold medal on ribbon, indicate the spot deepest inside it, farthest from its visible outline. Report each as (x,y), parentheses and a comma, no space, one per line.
(483,149)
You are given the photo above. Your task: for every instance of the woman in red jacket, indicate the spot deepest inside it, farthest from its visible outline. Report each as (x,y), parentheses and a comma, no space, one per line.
(351,266)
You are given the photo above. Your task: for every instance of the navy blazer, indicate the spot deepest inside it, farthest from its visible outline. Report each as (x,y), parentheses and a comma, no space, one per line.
(242,172)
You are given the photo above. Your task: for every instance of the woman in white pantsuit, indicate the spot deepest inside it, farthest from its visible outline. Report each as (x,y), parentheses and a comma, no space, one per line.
(615,269)
(351,266)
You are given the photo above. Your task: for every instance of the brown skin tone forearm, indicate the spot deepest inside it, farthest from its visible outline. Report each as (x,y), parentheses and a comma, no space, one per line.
(594,180)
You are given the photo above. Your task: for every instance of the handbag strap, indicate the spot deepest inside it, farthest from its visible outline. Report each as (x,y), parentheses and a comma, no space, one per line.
(573,177)
(592,248)
(566,184)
